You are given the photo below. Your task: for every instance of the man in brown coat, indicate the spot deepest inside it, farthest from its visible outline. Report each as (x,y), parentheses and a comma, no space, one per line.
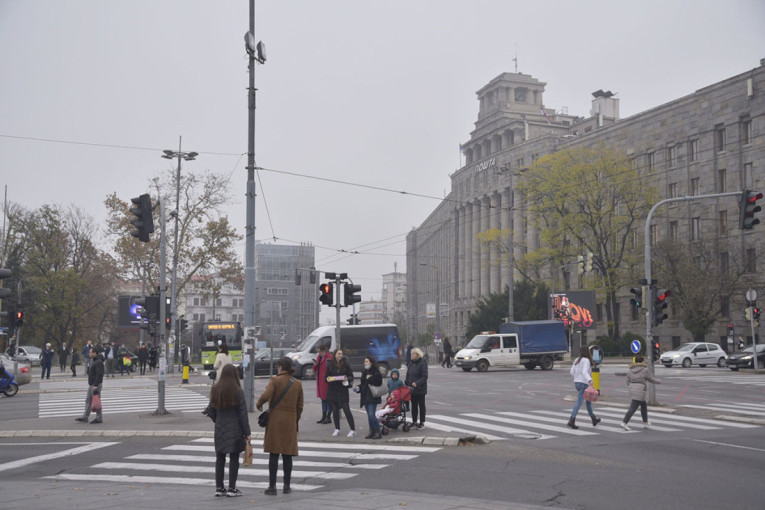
(282,428)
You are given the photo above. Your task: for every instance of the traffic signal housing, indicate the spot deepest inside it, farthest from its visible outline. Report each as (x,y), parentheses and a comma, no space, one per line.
(143,221)
(660,304)
(656,350)
(18,319)
(183,324)
(580,264)
(637,301)
(350,294)
(756,316)
(5,273)
(588,262)
(327,294)
(747,209)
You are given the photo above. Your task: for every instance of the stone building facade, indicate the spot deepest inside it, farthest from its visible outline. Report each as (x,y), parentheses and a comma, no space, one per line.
(710,141)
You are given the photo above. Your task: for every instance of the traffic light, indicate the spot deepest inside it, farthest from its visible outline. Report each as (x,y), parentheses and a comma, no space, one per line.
(659,304)
(183,324)
(350,294)
(18,319)
(327,295)
(656,351)
(5,273)
(637,301)
(588,262)
(756,316)
(748,313)
(746,209)
(580,264)
(143,221)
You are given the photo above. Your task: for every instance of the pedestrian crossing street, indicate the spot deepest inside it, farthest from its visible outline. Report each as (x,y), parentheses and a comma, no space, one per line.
(193,463)
(544,424)
(743,408)
(120,401)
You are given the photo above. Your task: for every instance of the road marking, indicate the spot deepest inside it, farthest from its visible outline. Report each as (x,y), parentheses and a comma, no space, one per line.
(343,446)
(255,460)
(153,480)
(307,453)
(727,444)
(167,468)
(536,425)
(730,408)
(449,428)
(557,420)
(49,456)
(667,420)
(483,425)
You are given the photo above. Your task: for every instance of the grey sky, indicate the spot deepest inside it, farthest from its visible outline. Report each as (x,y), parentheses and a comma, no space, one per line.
(377,93)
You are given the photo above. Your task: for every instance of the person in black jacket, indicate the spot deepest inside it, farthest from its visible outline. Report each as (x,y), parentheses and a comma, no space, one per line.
(417,379)
(370,375)
(448,353)
(228,409)
(340,378)
(143,358)
(95,382)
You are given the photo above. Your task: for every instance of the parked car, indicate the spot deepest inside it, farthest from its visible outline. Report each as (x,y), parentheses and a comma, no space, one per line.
(27,353)
(694,353)
(263,360)
(744,358)
(22,374)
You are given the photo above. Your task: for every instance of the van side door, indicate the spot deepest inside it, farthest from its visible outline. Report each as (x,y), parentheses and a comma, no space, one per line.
(510,354)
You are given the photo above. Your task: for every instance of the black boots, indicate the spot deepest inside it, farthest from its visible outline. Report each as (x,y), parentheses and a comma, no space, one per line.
(595,420)
(327,419)
(323,417)
(286,489)
(572,423)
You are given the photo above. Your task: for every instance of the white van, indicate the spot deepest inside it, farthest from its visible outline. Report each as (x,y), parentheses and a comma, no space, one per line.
(380,341)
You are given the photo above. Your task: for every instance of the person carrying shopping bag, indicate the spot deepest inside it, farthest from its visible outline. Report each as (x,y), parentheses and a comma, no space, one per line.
(581,370)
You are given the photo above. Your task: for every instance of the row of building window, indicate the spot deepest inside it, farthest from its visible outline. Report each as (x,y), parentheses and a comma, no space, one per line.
(235,302)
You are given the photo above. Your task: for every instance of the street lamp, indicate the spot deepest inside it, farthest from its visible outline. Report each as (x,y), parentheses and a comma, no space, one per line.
(188,156)
(438,295)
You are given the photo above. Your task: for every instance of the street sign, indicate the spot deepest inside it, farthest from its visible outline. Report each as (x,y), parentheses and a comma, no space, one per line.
(437,335)
(751,295)
(635,346)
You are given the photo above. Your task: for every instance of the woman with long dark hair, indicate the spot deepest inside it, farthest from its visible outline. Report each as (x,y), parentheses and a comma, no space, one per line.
(283,417)
(228,409)
(340,378)
(581,372)
(370,375)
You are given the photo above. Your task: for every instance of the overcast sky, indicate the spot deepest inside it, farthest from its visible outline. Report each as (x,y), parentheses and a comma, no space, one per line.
(374,93)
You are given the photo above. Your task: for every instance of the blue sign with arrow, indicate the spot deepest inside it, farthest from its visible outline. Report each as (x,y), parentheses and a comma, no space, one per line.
(635,346)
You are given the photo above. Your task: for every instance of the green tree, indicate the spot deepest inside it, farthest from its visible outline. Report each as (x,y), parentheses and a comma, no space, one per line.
(529,303)
(589,200)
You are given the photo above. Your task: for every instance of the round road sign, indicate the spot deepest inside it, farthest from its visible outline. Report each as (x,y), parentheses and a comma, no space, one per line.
(635,346)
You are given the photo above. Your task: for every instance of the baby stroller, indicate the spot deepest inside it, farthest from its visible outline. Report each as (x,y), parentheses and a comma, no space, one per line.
(394,412)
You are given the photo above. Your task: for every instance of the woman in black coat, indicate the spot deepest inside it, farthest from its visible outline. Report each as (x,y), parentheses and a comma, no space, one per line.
(370,375)
(417,379)
(228,409)
(339,379)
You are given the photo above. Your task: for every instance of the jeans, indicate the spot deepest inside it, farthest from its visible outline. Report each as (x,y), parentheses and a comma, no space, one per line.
(45,371)
(325,407)
(418,408)
(233,469)
(633,407)
(580,387)
(374,425)
(89,402)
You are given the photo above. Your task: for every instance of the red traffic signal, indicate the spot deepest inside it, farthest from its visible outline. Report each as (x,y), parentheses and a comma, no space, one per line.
(326,297)
(18,318)
(747,208)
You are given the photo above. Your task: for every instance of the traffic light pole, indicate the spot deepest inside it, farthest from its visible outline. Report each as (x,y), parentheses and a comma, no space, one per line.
(338,339)
(163,347)
(649,318)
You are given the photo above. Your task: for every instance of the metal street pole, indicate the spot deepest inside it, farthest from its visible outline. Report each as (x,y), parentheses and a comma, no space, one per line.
(511,248)
(751,298)
(161,326)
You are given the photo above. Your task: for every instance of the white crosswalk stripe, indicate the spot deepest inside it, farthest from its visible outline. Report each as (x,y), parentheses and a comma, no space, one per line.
(740,379)
(754,410)
(545,424)
(121,401)
(193,463)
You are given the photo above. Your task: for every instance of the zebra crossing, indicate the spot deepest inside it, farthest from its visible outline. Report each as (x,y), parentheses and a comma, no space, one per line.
(545,424)
(120,401)
(193,463)
(736,408)
(732,378)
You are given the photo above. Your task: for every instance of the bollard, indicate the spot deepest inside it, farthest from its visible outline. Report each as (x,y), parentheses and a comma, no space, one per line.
(596,378)
(185,374)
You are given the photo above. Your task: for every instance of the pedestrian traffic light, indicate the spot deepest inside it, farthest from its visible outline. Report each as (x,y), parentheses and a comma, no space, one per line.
(350,294)
(660,304)
(326,297)
(5,273)
(18,319)
(588,262)
(143,220)
(747,208)
(656,350)
(756,316)
(637,301)
(580,264)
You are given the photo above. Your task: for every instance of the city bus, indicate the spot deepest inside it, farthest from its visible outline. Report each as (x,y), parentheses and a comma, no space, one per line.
(228,332)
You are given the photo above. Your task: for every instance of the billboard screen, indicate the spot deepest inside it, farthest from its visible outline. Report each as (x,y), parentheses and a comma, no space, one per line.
(127,318)
(577,307)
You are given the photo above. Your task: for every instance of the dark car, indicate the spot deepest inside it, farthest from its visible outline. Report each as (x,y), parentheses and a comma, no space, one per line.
(263,360)
(744,358)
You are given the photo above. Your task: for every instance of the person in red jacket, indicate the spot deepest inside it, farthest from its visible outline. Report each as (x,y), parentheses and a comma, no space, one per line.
(320,371)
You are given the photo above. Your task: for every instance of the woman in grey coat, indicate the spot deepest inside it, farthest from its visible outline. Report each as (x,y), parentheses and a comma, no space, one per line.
(228,409)
(636,381)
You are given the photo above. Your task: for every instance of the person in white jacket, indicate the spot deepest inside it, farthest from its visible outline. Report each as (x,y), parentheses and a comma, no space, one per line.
(581,371)
(221,359)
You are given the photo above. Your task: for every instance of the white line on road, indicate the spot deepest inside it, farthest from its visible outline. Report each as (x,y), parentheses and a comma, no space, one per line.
(211,470)
(65,453)
(255,460)
(731,445)
(154,480)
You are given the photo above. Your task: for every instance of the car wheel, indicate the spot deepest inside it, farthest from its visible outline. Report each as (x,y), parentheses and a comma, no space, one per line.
(467,369)
(482,365)
(530,365)
(547,363)
(721,363)
(307,373)
(687,363)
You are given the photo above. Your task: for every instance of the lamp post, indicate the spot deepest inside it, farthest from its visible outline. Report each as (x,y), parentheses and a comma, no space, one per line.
(438,295)
(188,156)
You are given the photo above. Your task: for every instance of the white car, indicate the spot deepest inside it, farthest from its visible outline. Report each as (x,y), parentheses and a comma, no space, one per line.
(695,353)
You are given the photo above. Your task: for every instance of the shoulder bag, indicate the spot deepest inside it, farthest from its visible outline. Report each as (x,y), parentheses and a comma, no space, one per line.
(378,391)
(263,418)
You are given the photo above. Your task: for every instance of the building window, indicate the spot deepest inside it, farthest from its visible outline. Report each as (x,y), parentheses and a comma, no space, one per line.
(673,230)
(195,317)
(724,265)
(672,155)
(219,302)
(650,160)
(723,216)
(201,317)
(695,228)
(720,137)
(695,187)
(748,174)
(746,131)
(673,190)
(722,174)
(693,150)
(520,95)
(751,260)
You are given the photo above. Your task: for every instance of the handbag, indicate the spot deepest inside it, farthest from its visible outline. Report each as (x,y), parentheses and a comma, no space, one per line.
(591,394)
(95,404)
(247,454)
(211,374)
(378,391)
(263,418)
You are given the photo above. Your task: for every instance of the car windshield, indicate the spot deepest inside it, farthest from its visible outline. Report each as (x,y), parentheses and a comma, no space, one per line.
(686,347)
(478,342)
(305,344)
(31,349)
(760,348)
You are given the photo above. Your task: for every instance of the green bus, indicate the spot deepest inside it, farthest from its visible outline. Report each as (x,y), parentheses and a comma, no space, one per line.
(228,332)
